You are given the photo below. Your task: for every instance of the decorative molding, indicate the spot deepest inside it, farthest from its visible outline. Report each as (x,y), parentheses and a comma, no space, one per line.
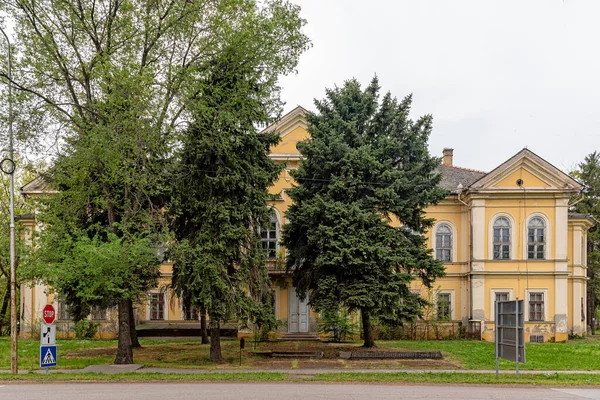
(534,164)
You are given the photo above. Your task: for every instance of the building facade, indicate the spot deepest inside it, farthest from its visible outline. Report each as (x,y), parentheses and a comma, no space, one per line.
(503,235)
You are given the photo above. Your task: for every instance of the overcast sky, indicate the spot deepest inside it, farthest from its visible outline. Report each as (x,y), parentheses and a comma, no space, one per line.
(497,76)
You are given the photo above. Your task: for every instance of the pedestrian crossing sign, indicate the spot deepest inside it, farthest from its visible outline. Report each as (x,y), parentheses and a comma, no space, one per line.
(47,356)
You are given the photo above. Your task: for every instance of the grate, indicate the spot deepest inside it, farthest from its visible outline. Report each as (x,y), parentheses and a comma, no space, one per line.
(536,339)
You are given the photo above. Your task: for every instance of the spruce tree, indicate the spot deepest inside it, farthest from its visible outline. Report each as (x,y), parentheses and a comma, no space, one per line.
(366,167)
(220,190)
(589,174)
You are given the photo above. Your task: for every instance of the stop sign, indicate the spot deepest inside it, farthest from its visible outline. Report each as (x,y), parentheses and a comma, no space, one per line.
(48,314)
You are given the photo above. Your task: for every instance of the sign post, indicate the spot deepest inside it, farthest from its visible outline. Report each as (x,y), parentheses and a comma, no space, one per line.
(48,338)
(242,345)
(48,314)
(510,335)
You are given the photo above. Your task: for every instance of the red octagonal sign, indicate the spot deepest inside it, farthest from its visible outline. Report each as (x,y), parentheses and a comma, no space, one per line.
(49,314)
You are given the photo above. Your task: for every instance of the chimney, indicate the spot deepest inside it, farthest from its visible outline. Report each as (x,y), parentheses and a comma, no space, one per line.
(448,156)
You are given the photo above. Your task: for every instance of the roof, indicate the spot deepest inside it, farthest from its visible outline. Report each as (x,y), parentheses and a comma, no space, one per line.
(289,121)
(453,176)
(40,185)
(579,215)
(526,158)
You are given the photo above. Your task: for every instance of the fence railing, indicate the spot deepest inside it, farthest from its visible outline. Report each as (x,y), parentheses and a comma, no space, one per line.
(430,330)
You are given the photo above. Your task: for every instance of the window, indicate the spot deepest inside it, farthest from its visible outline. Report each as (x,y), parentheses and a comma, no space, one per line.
(444,306)
(191,314)
(536,339)
(502,296)
(269,237)
(536,239)
(536,306)
(63,311)
(157,306)
(98,313)
(443,243)
(582,310)
(502,239)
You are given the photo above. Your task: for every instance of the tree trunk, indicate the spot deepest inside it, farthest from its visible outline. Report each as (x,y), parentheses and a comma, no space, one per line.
(367,329)
(135,343)
(124,350)
(215,342)
(203,329)
(5,303)
(591,300)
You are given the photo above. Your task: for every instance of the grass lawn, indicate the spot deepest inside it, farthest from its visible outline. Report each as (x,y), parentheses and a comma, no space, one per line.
(74,354)
(388,378)
(574,355)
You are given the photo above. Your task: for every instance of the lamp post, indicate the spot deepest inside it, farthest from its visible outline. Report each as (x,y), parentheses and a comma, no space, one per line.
(11,169)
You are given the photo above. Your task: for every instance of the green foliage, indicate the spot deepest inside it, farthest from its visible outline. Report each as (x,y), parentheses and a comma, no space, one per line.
(97,271)
(589,174)
(119,78)
(85,329)
(220,183)
(337,324)
(24,173)
(366,167)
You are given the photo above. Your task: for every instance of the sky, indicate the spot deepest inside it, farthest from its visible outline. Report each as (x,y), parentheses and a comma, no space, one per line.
(497,76)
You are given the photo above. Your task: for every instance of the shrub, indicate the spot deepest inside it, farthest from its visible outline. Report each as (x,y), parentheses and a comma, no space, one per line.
(337,325)
(85,329)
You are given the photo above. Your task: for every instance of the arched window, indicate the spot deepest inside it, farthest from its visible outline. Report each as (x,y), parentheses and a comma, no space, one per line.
(536,239)
(443,243)
(502,239)
(269,237)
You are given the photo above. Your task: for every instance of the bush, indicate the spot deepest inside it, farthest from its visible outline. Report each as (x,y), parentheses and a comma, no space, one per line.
(85,329)
(337,325)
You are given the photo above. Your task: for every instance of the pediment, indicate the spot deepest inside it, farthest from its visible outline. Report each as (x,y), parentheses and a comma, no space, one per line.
(292,128)
(38,186)
(534,173)
(289,122)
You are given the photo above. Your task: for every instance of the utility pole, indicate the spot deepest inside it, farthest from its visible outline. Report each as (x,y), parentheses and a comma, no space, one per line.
(10,169)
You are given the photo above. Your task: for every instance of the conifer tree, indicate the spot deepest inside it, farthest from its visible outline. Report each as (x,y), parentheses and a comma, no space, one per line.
(589,174)
(114,78)
(220,190)
(366,166)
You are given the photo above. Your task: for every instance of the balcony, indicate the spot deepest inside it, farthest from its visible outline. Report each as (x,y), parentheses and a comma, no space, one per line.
(275,266)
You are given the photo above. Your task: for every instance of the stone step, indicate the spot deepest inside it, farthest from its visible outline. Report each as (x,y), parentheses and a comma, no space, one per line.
(300,336)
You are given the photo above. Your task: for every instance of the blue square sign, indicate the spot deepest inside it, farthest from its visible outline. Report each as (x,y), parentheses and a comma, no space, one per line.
(48,356)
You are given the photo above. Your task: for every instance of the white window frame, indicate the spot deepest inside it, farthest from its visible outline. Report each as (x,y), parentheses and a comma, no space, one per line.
(275,212)
(546,300)
(104,311)
(548,237)
(513,237)
(452,304)
(511,296)
(60,304)
(165,305)
(183,313)
(454,234)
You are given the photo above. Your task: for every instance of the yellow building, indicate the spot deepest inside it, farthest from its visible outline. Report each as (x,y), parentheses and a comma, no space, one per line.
(503,235)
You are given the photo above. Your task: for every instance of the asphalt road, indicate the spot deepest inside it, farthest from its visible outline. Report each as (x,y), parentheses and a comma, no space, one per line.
(278,391)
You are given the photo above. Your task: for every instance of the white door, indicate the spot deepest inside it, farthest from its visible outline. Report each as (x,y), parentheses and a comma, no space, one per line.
(293,310)
(303,314)
(298,315)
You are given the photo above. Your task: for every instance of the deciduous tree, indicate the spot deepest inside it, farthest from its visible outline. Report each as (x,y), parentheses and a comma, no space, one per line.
(114,75)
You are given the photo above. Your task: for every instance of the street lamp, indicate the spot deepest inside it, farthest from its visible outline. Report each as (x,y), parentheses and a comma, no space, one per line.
(10,169)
